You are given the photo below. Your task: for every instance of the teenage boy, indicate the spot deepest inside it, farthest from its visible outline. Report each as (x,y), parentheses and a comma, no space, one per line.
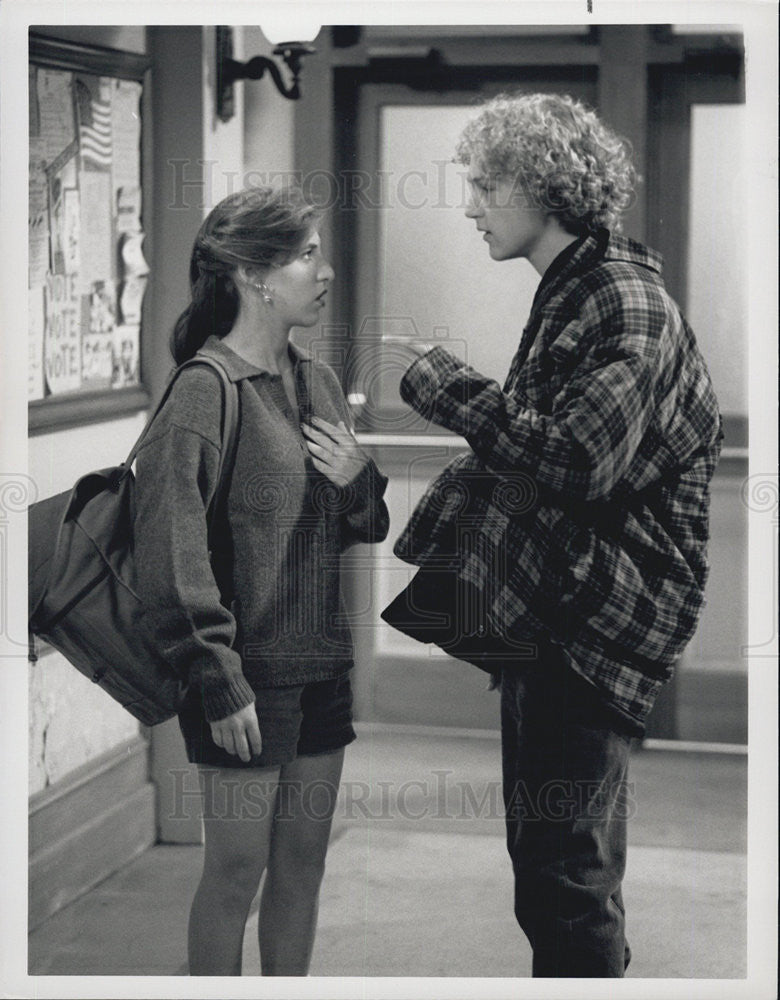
(608,429)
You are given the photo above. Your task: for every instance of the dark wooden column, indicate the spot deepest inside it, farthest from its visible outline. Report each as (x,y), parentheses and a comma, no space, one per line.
(313,153)
(179,198)
(623,103)
(179,181)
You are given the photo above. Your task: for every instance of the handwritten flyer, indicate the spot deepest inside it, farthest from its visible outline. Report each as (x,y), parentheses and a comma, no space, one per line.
(62,334)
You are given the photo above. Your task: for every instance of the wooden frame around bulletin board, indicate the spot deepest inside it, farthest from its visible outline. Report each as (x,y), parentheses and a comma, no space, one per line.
(71,408)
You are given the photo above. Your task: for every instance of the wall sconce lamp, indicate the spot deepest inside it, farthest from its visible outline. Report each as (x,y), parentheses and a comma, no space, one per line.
(229,70)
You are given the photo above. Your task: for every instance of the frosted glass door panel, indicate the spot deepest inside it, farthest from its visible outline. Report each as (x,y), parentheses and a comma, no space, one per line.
(717,298)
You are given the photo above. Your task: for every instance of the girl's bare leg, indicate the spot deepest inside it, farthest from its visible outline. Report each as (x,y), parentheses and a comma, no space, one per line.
(238,810)
(299,841)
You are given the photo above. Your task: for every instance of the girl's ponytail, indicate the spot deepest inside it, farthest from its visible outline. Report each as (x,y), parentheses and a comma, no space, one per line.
(212,309)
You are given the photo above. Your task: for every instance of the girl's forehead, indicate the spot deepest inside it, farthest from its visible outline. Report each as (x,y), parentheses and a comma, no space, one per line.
(311,241)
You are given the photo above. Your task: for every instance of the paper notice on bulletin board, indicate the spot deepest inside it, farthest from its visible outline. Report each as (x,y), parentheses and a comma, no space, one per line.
(62,180)
(55,111)
(71,231)
(96,242)
(131,299)
(133,259)
(97,360)
(128,210)
(126,352)
(97,357)
(62,334)
(126,127)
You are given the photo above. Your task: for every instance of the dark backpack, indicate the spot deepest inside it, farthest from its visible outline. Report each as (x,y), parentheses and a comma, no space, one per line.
(82,597)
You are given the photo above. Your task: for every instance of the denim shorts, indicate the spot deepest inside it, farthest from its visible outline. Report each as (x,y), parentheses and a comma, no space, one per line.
(302,720)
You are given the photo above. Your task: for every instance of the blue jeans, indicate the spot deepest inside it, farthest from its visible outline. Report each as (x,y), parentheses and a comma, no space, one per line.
(567,800)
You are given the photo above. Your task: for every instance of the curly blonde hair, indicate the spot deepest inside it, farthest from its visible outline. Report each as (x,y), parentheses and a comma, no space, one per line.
(568,162)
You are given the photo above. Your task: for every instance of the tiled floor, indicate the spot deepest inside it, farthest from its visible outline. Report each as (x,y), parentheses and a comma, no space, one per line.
(418,881)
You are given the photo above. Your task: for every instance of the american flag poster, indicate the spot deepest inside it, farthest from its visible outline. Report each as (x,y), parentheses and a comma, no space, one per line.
(93,102)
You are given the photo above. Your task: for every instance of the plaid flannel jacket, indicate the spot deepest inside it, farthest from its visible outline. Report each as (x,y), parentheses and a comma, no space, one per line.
(582,511)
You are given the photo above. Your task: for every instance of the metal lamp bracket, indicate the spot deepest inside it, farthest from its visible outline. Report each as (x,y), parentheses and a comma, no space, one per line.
(229,70)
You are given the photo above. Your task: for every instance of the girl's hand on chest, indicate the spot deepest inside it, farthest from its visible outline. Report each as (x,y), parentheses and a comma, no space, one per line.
(334,451)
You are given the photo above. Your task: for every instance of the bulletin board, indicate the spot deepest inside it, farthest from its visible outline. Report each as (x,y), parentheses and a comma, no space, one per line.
(87,263)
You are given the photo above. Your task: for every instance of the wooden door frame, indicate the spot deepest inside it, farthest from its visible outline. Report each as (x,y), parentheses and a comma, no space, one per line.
(673,90)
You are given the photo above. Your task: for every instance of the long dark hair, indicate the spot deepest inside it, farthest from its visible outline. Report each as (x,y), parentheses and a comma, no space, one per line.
(257,227)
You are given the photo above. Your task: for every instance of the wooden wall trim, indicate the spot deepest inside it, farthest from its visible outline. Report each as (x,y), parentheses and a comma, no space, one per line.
(87,826)
(176,781)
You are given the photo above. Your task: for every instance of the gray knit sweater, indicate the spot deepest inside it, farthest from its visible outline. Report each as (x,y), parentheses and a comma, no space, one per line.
(282,531)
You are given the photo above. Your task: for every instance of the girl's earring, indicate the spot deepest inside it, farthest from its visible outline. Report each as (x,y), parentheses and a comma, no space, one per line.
(265,291)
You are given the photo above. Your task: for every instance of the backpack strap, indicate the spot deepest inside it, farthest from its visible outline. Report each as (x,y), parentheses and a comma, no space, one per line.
(229,426)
